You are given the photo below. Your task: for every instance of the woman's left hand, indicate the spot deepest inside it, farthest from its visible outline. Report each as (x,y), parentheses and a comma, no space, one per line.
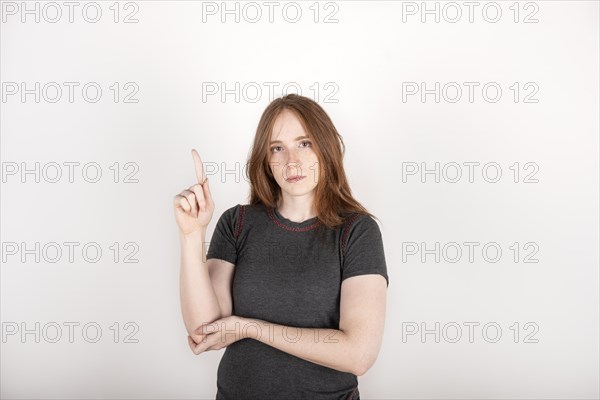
(218,334)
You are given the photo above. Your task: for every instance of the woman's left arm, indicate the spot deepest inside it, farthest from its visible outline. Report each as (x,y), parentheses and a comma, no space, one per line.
(353,348)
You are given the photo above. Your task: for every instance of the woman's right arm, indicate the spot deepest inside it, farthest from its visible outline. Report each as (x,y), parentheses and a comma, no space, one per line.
(199,302)
(193,211)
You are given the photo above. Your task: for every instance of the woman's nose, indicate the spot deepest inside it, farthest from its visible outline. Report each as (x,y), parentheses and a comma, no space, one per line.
(293,164)
(293,157)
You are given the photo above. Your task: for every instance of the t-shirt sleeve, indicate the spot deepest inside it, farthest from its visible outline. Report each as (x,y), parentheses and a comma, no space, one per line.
(223,244)
(363,250)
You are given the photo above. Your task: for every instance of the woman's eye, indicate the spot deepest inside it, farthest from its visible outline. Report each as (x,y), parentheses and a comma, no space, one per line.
(277,149)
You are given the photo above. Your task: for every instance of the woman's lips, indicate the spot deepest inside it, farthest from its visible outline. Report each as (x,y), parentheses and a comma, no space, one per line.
(294,179)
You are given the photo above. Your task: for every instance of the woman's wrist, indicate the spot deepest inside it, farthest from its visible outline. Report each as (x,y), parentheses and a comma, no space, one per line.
(193,239)
(250,327)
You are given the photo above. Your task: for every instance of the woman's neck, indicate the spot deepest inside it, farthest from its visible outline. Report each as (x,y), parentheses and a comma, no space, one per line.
(296,209)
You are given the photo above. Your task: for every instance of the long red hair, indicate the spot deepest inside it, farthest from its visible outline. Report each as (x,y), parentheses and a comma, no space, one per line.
(333,199)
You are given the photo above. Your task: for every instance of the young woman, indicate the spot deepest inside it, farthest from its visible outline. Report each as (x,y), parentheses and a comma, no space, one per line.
(294,282)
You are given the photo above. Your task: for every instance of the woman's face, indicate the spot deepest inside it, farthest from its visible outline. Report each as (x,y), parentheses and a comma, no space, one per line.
(291,154)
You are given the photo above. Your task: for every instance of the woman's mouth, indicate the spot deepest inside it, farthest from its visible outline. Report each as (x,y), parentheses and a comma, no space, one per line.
(294,179)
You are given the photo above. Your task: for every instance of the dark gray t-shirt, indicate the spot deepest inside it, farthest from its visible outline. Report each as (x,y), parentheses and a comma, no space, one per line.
(289,273)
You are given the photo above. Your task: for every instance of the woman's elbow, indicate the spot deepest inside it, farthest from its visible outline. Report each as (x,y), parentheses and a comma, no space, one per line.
(365,360)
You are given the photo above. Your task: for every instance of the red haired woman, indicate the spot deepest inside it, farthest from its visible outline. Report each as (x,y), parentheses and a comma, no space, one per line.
(294,282)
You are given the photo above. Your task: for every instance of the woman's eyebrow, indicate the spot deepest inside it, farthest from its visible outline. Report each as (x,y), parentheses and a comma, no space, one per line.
(298,138)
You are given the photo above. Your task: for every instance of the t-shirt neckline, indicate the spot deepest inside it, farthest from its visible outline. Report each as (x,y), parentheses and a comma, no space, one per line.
(286,223)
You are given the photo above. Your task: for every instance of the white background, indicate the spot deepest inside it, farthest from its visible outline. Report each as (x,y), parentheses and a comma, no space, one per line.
(364,57)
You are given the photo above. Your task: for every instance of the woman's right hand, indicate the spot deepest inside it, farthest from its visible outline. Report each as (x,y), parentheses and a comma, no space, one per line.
(194,207)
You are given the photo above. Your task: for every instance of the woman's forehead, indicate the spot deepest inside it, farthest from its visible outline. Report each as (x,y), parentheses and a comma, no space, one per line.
(287,126)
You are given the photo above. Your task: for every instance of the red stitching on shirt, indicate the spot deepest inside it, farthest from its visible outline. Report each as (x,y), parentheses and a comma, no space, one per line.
(240,222)
(346,230)
(295,229)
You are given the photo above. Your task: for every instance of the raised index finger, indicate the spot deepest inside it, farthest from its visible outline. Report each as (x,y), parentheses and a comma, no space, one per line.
(199,166)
